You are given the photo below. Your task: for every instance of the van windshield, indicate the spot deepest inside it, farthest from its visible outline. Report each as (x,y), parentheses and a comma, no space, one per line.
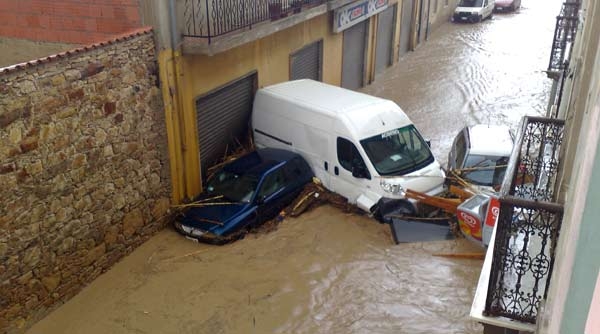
(470,3)
(397,152)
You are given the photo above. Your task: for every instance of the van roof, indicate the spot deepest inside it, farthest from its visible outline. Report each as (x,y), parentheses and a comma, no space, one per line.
(329,98)
(367,115)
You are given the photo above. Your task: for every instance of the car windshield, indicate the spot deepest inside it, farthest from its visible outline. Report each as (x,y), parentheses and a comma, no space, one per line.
(234,187)
(397,152)
(485,170)
(470,3)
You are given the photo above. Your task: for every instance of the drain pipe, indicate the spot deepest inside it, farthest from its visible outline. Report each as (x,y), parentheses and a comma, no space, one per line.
(173,25)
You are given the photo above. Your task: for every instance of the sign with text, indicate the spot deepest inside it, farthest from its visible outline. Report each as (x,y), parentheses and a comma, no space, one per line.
(358,11)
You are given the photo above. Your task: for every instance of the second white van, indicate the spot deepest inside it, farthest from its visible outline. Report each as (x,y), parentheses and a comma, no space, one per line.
(362,147)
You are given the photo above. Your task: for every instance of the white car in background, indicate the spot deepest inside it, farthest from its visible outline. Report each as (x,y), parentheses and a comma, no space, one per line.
(473,10)
(507,5)
(480,155)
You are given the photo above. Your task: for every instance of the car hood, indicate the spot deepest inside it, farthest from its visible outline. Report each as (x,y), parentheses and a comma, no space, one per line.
(468,9)
(212,217)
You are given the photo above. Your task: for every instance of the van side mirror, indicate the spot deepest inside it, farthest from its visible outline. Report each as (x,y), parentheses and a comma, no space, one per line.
(428,143)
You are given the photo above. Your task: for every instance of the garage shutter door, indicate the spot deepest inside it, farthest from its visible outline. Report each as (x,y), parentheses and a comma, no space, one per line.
(223,117)
(407,12)
(353,63)
(385,39)
(306,63)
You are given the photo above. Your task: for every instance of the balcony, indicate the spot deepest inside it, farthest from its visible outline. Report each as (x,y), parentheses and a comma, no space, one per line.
(519,263)
(213,26)
(564,35)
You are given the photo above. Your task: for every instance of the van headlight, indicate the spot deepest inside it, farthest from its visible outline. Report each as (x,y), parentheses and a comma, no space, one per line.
(392,188)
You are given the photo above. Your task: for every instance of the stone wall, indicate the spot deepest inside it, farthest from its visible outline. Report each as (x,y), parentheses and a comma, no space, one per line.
(83,171)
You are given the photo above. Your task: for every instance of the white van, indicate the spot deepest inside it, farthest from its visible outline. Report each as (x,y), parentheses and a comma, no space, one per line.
(473,10)
(360,146)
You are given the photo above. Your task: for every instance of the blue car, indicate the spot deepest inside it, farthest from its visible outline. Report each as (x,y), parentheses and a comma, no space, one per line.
(243,194)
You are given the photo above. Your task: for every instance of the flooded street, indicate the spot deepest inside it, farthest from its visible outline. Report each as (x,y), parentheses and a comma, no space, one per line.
(328,271)
(467,74)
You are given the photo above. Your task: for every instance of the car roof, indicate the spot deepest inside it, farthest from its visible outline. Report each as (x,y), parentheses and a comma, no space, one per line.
(494,140)
(259,161)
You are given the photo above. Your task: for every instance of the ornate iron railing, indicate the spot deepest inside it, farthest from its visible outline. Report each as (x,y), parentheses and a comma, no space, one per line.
(564,35)
(528,224)
(211,18)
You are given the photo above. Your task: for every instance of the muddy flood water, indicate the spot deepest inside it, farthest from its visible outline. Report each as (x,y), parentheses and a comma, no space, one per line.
(328,271)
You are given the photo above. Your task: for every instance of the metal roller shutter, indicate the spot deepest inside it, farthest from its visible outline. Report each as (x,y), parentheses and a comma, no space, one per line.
(407,12)
(353,62)
(223,117)
(385,39)
(424,21)
(306,63)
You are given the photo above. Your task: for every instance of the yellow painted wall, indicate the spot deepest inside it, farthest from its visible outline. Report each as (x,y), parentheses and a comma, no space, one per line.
(372,41)
(399,5)
(186,78)
(269,56)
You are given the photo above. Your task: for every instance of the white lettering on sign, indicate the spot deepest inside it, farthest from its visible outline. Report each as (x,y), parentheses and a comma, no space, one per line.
(495,212)
(469,220)
(357,11)
(390,133)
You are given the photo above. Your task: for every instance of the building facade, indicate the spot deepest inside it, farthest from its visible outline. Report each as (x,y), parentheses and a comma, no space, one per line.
(224,50)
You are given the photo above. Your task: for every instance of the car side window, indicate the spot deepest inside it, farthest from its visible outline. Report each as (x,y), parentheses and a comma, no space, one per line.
(347,153)
(272,182)
(349,157)
(461,149)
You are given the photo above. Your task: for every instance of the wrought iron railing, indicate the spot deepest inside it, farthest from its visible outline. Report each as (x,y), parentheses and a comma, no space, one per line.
(564,35)
(560,87)
(528,224)
(211,18)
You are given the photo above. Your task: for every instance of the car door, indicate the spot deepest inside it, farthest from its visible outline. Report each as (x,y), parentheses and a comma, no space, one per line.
(488,8)
(351,175)
(270,194)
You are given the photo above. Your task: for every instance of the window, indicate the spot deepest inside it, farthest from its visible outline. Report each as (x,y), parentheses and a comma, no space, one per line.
(485,170)
(461,149)
(349,157)
(272,183)
(398,151)
(233,186)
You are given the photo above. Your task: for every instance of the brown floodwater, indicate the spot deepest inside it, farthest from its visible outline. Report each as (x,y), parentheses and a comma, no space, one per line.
(328,271)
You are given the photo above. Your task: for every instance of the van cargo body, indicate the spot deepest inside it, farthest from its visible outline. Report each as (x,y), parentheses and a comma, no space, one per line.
(360,146)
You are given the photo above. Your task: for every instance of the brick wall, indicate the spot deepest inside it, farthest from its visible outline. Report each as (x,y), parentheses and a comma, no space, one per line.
(67,21)
(83,171)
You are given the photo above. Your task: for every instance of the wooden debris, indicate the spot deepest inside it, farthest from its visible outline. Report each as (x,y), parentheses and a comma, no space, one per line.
(447,204)
(462,193)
